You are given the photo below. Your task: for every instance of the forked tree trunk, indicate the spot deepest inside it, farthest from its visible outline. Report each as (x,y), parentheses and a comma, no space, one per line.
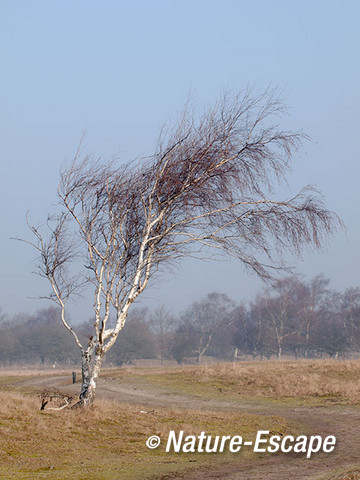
(90,374)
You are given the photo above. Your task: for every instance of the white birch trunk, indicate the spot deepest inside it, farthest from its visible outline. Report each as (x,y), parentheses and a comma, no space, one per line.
(90,374)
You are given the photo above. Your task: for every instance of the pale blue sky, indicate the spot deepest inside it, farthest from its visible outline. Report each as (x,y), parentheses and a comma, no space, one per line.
(120,70)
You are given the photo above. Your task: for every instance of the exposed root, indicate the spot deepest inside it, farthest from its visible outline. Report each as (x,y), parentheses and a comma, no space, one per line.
(60,400)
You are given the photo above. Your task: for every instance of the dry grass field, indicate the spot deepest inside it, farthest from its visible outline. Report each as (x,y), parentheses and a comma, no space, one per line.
(107,441)
(311,381)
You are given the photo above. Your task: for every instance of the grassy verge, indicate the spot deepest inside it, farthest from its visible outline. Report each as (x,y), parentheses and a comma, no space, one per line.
(300,382)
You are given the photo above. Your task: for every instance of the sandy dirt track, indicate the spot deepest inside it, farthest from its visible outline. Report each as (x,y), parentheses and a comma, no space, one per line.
(343,421)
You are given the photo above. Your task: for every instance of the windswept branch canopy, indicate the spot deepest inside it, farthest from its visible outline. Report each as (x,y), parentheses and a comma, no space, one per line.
(209,184)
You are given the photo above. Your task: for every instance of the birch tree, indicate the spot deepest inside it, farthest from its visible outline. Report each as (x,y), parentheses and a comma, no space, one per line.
(208,186)
(162,324)
(281,310)
(315,292)
(205,318)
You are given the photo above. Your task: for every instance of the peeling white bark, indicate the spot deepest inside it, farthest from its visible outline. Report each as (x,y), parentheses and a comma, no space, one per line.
(90,374)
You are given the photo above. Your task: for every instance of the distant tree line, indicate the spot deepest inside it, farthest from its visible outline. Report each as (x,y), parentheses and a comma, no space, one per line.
(304,319)
(299,318)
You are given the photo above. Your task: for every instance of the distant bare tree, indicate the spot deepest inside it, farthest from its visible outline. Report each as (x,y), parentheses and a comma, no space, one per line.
(350,316)
(250,335)
(205,318)
(136,340)
(312,306)
(207,186)
(281,309)
(329,332)
(162,324)
(182,343)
